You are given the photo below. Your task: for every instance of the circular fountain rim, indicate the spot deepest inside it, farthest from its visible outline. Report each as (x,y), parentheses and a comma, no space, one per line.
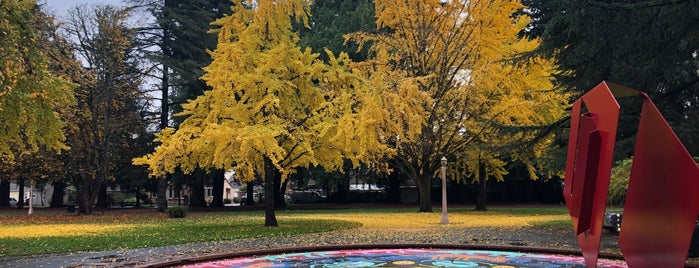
(287,250)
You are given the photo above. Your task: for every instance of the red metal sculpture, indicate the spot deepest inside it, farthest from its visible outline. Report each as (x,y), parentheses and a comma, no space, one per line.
(660,211)
(589,165)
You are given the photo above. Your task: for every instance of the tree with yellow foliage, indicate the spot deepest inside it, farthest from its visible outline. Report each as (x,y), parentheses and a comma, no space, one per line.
(273,107)
(30,93)
(451,64)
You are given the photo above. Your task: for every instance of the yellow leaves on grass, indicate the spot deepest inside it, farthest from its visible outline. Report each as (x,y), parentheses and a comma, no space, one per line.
(393,220)
(54,230)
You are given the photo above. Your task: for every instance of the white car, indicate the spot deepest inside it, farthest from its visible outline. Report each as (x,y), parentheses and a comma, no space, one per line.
(13,202)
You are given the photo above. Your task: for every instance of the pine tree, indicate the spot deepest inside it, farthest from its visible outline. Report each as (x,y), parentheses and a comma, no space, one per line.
(331,20)
(180,34)
(647,45)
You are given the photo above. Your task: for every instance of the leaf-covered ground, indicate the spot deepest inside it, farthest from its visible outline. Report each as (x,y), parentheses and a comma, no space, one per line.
(143,237)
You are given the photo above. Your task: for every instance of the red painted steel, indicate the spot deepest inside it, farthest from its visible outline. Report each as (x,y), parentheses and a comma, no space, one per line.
(661,210)
(661,207)
(587,160)
(602,106)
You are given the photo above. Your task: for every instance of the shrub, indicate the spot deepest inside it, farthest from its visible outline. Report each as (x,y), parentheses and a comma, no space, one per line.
(177,212)
(226,201)
(619,182)
(236,199)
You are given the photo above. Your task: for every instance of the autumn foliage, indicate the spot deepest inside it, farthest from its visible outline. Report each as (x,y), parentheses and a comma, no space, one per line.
(462,93)
(441,81)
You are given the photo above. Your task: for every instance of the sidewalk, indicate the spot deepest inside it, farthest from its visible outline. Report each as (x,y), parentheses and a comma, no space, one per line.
(522,237)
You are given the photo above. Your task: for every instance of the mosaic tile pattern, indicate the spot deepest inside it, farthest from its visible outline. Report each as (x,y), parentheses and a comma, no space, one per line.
(408,258)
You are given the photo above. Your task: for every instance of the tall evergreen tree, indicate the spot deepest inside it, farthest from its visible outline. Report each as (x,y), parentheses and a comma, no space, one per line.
(331,20)
(648,45)
(181,35)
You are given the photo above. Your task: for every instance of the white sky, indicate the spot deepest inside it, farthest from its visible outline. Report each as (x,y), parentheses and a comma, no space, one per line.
(60,7)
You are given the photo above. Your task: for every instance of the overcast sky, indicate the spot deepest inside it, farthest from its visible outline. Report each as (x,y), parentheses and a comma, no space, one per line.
(60,7)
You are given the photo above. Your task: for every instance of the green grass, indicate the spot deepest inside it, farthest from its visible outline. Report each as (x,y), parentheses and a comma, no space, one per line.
(137,230)
(554,224)
(144,231)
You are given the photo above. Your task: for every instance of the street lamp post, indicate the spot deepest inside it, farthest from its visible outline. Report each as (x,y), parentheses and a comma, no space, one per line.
(31,199)
(445,217)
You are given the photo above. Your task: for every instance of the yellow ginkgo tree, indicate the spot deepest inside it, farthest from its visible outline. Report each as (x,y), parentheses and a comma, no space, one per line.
(453,62)
(273,107)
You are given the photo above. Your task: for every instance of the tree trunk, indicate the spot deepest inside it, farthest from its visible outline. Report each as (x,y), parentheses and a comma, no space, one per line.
(20,197)
(393,187)
(102,197)
(343,184)
(4,193)
(425,187)
(84,204)
(164,123)
(138,197)
(87,194)
(178,193)
(162,191)
(59,191)
(250,193)
(218,185)
(482,177)
(279,189)
(270,174)
(198,198)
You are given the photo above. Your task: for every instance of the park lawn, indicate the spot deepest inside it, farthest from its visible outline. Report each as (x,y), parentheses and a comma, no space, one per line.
(509,217)
(46,234)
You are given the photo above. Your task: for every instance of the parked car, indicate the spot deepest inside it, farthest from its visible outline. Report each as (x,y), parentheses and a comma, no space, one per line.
(298,197)
(612,222)
(13,202)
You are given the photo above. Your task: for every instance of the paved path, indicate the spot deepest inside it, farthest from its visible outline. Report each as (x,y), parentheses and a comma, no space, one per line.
(522,237)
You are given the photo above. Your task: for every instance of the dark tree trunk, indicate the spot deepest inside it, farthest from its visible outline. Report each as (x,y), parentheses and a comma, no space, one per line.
(59,192)
(162,191)
(270,174)
(424,185)
(279,189)
(343,188)
(85,206)
(102,197)
(4,193)
(198,198)
(393,187)
(218,185)
(138,197)
(482,179)
(86,192)
(250,193)
(178,193)
(20,197)
(164,123)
